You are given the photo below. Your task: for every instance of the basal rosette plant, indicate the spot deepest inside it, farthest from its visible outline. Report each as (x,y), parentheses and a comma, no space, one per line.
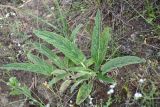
(74,64)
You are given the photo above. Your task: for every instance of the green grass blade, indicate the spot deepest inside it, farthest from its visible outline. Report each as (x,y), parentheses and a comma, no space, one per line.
(83,92)
(62,19)
(51,56)
(36,68)
(39,19)
(63,44)
(120,62)
(75,32)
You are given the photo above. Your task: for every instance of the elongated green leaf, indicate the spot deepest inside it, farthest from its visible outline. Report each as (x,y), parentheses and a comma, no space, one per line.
(82,70)
(74,32)
(64,86)
(35,59)
(52,56)
(36,68)
(63,44)
(95,45)
(99,41)
(76,84)
(89,62)
(58,78)
(83,92)
(104,40)
(58,71)
(120,62)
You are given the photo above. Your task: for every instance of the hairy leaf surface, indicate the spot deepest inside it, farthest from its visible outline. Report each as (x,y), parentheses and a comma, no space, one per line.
(99,41)
(120,62)
(63,44)
(51,55)
(83,92)
(36,68)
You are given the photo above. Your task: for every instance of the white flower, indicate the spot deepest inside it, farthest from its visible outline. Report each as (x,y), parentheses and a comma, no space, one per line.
(90,100)
(19,44)
(52,8)
(13,14)
(7,15)
(12,34)
(113,85)
(137,95)
(48,105)
(142,81)
(19,51)
(111,91)
(70,101)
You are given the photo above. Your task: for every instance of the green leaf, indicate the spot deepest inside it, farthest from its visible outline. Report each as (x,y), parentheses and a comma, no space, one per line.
(120,62)
(104,40)
(95,45)
(76,84)
(89,62)
(105,79)
(51,56)
(81,70)
(99,41)
(36,60)
(36,68)
(74,32)
(63,44)
(58,78)
(64,86)
(83,92)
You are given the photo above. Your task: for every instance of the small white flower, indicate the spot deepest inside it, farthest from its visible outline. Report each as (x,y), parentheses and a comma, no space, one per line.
(111,91)
(1,26)
(70,101)
(137,95)
(112,86)
(142,81)
(90,100)
(90,97)
(13,14)
(19,51)
(7,15)
(48,105)
(19,44)
(52,8)
(12,34)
